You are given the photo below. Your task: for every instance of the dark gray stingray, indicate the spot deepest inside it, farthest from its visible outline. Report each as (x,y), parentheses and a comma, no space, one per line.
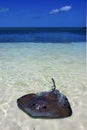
(50,104)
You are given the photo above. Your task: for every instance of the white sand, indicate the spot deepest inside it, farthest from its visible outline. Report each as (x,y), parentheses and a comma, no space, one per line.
(29,68)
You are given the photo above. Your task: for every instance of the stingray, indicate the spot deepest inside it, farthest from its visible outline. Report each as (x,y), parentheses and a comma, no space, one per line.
(50,104)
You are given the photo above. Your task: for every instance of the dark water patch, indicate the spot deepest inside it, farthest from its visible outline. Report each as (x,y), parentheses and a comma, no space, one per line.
(44,35)
(23,30)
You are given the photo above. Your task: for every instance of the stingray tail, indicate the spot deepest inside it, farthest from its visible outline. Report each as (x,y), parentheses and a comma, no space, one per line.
(54,86)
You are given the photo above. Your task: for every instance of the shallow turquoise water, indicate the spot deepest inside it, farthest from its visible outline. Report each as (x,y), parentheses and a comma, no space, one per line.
(28,67)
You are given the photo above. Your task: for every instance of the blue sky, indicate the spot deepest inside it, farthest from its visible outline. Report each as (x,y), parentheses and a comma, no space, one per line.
(42,13)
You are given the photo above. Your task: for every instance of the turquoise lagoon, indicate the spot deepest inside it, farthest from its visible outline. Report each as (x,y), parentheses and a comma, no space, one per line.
(29,58)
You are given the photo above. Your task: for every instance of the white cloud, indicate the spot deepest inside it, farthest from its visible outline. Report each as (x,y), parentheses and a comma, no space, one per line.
(4,9)
(64,8)
(54,11)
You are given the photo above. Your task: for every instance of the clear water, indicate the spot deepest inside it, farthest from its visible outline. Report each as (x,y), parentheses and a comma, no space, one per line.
(28,61)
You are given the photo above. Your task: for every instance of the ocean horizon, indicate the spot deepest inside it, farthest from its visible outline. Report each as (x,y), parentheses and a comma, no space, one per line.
(44,35)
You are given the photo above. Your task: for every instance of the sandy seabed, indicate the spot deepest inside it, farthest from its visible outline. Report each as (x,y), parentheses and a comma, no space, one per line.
(29,68)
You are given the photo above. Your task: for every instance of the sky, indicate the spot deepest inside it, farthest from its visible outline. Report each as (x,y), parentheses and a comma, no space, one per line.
(42,13)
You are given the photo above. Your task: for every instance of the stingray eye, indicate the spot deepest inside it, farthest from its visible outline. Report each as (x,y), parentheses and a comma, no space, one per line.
(66,99)
(66,104)
(33,104)
(44,107)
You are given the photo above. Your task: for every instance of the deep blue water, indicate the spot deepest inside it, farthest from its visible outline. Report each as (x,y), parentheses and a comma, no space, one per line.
(43,35)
